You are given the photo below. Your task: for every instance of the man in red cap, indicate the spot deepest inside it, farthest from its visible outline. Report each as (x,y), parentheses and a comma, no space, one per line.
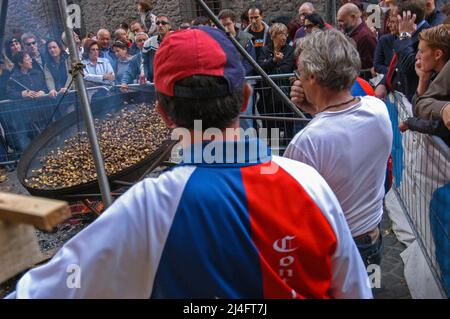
(221,224)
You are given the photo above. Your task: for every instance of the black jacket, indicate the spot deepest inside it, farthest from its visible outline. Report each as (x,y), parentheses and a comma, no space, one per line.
(33,80)
(405,79)
(286,65)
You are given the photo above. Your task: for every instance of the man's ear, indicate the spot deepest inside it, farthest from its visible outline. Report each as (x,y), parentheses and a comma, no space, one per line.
(169,122)
(438,54)
(248,91)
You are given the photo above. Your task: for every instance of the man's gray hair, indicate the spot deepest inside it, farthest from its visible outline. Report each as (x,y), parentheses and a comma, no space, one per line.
(331,58)
(27,36)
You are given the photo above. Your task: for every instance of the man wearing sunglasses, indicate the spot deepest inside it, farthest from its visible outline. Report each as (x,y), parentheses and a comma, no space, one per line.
(30,46)
(163,27)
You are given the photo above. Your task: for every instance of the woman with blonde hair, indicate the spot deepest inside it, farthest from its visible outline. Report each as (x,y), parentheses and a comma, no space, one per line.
(433,70)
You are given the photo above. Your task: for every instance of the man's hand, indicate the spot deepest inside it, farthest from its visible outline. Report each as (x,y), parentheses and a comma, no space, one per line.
(52,93)
(63,90)
(124,88)
(406,23)
(278,56)
(109,77)
(403,127)
(26,93)
(446,115)
(298,97)
(381,92)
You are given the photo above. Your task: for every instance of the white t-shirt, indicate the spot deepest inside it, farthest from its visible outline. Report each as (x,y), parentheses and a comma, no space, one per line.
(350,149)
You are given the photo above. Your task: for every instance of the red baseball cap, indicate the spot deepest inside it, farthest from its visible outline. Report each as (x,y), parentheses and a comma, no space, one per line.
(197,51)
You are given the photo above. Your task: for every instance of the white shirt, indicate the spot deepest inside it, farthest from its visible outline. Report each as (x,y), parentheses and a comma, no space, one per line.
(95,73)
(350,149)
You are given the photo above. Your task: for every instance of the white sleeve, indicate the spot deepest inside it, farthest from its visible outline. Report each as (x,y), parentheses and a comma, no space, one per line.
(116,256)
(93,78)
(302,149)
(350,278)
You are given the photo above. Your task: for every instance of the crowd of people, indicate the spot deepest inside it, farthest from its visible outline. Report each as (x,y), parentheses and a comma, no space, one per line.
(392,55)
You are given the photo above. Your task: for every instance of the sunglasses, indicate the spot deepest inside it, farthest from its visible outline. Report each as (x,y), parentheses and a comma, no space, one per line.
(94,49)
(29,44)
(309,26)
(161,22)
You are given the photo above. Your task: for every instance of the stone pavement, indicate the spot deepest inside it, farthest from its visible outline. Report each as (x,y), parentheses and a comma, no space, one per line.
(393,284)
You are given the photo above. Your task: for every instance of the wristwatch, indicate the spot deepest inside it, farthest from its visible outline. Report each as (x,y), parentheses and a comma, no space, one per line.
(405,35)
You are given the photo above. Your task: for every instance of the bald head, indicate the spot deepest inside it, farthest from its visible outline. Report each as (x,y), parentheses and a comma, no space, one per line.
(349,8)
(349,17)
(104,39)
(305,9)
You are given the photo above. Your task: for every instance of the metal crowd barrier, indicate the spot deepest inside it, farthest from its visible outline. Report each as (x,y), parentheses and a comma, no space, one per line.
(23,120)
(269,115)
(421,181)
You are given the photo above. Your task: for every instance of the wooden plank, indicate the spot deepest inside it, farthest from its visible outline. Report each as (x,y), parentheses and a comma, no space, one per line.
(40,212)
(19,249)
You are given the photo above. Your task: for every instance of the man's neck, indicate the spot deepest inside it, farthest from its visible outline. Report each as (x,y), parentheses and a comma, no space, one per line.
(230,134)
(327,98)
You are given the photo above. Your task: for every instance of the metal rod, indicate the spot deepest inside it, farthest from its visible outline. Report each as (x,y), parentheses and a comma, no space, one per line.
(3,15)
(274,118)
(250,60)
(86,110)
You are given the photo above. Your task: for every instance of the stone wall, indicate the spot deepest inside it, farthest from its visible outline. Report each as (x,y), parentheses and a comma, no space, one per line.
(41,16)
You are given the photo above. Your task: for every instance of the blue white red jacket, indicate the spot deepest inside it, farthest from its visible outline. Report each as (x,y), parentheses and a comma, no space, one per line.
(253,227)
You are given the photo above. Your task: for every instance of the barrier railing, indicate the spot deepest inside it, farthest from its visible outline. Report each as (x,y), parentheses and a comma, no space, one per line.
(421,171)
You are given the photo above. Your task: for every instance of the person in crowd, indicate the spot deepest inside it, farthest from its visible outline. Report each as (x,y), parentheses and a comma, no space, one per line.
(123,60)
(130,34)
(184,25)
(4,77)
(78,43)
(147,18)
(258,29)
(12,47)
(136,71)
(25,80)
(163,27)
(433,16)
(304,9)
(432,57)
(97,70)
(276,58)
(228,19)
(136,28)
(401,75)
(182,217)
(313,22)
(56,69)
(351,23)
(122,36)
(201,21)
(30,45)
(293,26)
(328,66)
(104,43)
(385,46)
(245,21)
